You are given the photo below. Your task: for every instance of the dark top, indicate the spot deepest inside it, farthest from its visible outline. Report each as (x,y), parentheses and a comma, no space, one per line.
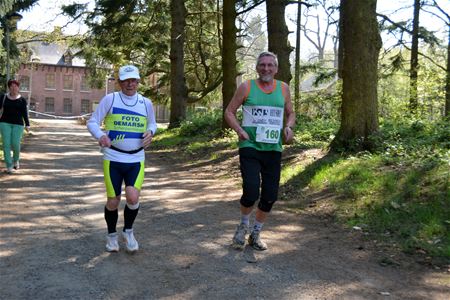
(14,111)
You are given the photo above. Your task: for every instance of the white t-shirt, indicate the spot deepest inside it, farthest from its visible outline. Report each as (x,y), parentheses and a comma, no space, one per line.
(126,118)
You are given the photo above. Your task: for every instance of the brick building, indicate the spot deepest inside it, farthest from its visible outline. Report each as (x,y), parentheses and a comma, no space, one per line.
(55,82)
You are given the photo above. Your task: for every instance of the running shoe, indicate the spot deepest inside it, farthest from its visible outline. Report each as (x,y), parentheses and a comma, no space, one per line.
(255,241)
(131,243)
(240,236)
(16,165)
(112,242)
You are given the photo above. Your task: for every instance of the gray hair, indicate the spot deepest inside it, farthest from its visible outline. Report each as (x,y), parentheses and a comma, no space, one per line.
(267,53)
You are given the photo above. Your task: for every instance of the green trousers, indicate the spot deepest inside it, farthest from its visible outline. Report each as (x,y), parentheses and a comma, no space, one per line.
(11,137)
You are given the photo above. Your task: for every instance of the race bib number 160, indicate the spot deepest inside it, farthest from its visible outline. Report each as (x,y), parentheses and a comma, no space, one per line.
(268,134)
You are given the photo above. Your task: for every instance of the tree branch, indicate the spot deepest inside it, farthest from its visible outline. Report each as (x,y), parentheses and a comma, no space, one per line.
(257,3)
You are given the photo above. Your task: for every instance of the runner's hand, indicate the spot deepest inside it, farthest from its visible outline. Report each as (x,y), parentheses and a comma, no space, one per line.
(242,134)
(147,138)
(104,141)
(288,135)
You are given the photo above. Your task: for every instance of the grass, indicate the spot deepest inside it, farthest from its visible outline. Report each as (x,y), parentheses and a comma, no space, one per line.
(400,194)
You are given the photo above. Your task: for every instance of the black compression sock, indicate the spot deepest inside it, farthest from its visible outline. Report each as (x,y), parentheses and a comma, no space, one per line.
(129,216)
(111,217)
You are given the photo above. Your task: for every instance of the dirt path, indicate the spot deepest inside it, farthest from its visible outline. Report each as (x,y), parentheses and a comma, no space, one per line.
(52,238)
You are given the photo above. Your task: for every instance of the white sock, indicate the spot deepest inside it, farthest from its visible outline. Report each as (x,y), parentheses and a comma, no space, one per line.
(245,219)
(133,206)
(257,226)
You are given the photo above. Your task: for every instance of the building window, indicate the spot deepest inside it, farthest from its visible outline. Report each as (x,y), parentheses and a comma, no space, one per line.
(49,104)
(50,81)
(68,58)
(67,105)
(85,106)
(84,84)
(68,82)
(24,83)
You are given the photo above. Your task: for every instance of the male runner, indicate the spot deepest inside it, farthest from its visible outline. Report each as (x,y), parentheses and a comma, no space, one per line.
(130,124)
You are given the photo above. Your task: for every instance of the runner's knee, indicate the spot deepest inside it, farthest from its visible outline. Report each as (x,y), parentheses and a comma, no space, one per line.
(112,203)
(250,194)
(132,195)
(266,205)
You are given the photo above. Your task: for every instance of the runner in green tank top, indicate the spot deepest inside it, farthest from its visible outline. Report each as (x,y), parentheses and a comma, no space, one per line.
(268,115)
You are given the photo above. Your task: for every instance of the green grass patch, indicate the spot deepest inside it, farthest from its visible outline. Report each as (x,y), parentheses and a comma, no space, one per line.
(400,194)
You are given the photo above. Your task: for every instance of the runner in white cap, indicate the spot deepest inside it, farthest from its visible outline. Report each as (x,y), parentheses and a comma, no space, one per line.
(129,128)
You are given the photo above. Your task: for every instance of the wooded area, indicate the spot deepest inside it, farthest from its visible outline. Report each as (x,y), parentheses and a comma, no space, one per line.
(199,48)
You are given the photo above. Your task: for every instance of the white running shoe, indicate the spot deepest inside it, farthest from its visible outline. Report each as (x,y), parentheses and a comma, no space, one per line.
(131,243)
(239,236)
(112,242)
(16,165)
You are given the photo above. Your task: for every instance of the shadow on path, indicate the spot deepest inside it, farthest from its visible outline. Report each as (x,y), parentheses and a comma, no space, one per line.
(52,238)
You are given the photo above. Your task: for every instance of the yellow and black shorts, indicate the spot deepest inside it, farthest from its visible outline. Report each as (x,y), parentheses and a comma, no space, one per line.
(117,172)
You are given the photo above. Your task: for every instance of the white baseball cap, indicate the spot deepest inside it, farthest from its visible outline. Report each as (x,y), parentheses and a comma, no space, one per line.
(129,71)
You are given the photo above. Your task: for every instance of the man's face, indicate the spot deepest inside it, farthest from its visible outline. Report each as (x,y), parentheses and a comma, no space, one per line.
(129,86)
(266,68)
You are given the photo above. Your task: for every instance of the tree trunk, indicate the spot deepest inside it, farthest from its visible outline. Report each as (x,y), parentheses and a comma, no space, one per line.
(228,55)
(297,62)
(277,32)
(178,89)
(361,44)
(447,84)
(414,63)
(340,54)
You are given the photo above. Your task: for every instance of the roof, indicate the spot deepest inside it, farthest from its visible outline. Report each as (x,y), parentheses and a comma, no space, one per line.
(55,54)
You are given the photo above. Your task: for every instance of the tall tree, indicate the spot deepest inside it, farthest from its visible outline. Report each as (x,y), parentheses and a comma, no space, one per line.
(178,90)
(229,54)
(297,61)
(447,81)
(414,62)
(360,44)
(278,32)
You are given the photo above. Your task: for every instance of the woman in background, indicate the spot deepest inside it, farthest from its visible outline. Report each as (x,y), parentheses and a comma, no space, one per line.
(13,118)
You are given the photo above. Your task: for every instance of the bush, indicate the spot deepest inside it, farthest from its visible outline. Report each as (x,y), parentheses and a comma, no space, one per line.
(202,124)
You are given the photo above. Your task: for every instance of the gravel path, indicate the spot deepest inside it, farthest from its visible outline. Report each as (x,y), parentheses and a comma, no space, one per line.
(52,237)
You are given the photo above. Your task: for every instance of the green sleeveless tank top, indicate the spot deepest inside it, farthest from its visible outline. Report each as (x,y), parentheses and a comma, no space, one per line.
(263,118)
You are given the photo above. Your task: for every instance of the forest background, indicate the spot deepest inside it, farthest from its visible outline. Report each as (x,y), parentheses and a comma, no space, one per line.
(376,108)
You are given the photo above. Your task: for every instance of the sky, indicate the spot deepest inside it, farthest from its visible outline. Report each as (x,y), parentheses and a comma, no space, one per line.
(44,16)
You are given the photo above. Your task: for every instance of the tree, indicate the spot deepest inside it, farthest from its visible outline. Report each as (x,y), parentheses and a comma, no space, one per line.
(143,25)
(314,35)
(446,19)
(178,90)
(297,62)
(229,48)
(202,49)
(447,81)
(252,40)
(7,8)
(278,32)
(228,54)
(360,44)
(414,61)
